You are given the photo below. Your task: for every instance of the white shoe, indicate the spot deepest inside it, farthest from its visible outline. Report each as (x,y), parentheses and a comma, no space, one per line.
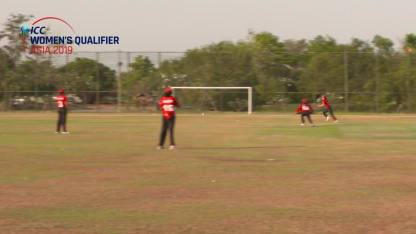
(302,124)
(159,147)
(57,132)
(172,147)
(65,132)
(327,118)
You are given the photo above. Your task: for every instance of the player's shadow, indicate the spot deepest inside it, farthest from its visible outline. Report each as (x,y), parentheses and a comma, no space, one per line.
(237,147)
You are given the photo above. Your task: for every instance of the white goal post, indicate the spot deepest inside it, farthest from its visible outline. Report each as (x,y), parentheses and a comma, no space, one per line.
(249,93)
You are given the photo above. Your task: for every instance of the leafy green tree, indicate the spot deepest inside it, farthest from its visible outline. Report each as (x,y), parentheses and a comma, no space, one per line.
(384,45)
(10,53)
(386,64)
(12,34)
(323,74)
(140,70)
(86,75)
(410,41)
(220,64)
(140,80)
(361,75)
(35,75)
(269,60)
(404,76)
(324,67)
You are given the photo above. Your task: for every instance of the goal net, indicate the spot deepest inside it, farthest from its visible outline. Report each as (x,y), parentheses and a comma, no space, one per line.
(215,98)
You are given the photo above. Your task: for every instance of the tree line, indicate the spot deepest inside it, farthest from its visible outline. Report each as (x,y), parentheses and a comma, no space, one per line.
(359,75)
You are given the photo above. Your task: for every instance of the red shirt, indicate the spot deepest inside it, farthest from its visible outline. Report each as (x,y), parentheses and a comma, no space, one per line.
(304,108)
(325,102)
(61,101)
(168,106)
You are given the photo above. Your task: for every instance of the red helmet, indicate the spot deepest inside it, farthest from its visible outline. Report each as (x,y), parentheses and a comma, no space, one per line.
(61,91)
(304,100)
(168,89)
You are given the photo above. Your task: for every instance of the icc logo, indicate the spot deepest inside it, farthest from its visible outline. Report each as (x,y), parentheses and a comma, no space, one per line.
(33,30)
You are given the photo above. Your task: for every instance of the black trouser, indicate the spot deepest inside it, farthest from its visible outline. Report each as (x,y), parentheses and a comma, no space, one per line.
(61,119)
(308,115)
(331,112)
(167,125)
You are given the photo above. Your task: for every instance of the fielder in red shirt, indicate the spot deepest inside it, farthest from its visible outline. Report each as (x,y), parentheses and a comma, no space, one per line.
(305,110)
(61,102)
(168,104)
(327,108)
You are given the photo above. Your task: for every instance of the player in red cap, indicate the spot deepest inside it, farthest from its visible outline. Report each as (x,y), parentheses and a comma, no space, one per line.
(61,102)
(305,110)
(167,104)
(327,108)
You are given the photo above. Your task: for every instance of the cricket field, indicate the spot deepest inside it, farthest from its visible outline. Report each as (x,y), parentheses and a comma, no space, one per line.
(232,173)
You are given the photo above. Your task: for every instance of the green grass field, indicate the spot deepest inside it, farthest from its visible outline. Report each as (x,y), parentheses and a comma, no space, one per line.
(232,173)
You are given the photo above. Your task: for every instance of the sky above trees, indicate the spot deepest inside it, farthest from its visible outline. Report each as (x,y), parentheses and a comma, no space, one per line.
(166,25)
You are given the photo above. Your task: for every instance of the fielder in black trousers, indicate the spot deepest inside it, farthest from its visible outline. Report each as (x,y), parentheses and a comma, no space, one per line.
(62,112)
(61,102)
(167,104)
(167,125)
